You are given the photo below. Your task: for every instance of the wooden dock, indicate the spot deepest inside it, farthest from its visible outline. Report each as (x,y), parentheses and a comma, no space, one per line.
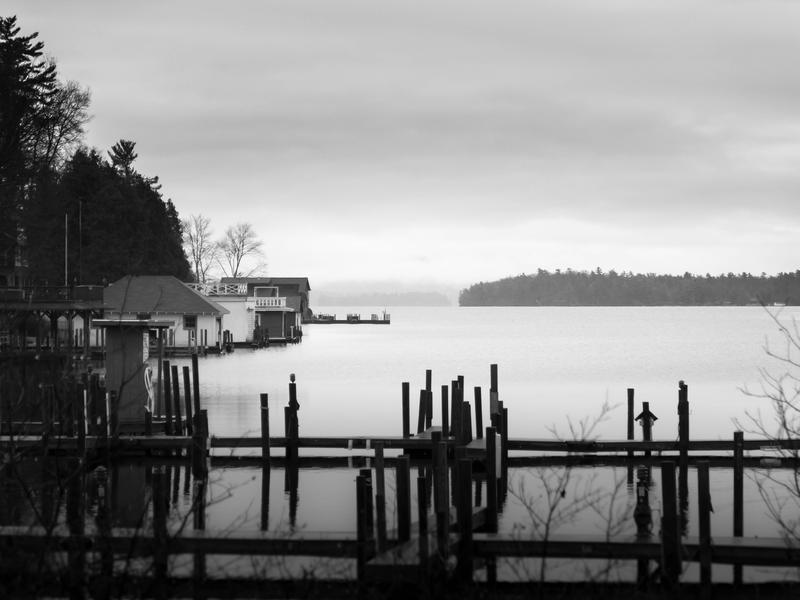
(442,537)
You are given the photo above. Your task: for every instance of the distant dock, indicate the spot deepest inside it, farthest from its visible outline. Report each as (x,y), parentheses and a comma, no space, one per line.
(352,319)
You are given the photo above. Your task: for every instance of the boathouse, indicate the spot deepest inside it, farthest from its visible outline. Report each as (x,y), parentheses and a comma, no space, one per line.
(196,320)
(260,309)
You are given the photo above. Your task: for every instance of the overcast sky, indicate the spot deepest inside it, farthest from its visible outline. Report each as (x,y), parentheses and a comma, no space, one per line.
(457,141)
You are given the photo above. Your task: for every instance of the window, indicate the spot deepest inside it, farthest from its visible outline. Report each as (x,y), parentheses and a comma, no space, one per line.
(189,321)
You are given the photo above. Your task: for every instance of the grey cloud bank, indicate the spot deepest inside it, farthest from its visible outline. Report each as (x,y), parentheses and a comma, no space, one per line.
(457,141)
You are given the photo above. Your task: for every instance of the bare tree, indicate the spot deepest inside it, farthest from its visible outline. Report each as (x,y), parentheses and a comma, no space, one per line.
(780,489)
(238,248)
(199,245)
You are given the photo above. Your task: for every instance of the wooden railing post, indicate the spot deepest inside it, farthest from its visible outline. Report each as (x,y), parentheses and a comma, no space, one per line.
(406,410)
(704,527)
(738,497)
(403,489)
(670,537)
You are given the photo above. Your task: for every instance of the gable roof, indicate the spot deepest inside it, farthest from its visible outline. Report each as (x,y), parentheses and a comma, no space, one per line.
(301,282)
(156,294)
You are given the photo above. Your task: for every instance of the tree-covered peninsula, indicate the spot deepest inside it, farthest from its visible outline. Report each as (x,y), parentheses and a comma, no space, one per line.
(597,288)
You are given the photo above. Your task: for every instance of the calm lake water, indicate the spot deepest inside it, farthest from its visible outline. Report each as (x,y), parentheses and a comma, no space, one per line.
(554,363)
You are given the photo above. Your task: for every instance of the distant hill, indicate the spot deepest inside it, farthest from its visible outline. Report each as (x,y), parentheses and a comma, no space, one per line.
(379,299)
(596,288)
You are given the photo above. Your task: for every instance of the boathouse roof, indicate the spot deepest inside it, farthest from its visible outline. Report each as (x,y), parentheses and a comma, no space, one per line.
(301,282)
(157,294)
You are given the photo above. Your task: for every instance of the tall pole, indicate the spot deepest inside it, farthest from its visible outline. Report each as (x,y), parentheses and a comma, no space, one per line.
(66,247)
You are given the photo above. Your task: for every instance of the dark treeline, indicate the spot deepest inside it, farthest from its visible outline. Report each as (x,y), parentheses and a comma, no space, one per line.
(57,195)
(596,288)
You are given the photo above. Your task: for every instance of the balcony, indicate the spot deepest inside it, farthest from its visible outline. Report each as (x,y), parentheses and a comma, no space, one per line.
(269,303)
(219,289)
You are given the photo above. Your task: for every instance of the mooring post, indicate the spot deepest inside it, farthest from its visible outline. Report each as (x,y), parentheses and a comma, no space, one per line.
(187,396)
(266,475)
(76,523)
(265,452)
(738,497)
(380,496)
(493,379)
(466,420)
(428,409)
(445,412)
(167,398)
(177,425)
(423,402)
(196,383)
(646,419)
(704,527)
(406,410)
(464,508)
(441,496)
(504,441)
(428,380)
(631,436)
(82,398)
(422,516)
(478,413)
(158,408)
(491,479)
(294,422)
(160,505)
(364,532)
(683,461)
(670,537)
(403,490)
(643,517)
(455,409)
(199,523)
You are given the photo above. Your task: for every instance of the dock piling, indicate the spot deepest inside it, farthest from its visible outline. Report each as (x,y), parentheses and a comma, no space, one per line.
(704,527)
(738,496)
(403,491)
(406,410)
(265,451)
(670,536)
(478,413)
(176,404)
(380,497)
(187,396)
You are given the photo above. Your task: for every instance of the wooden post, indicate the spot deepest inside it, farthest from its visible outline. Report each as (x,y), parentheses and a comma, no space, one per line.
(441,495)
(196,383)
(160,505)
(167,398)
(422,517)
(266,474)
(631,435)
(683,460)
(158,409)
(704,526)
(177,426)
(445,413)
(464,507)
(380,496)
(364,523)
(466,423)
(76,524)
(428,409)
(428,380)
(406,410)
(738,496)
(670,540)
(455,409)
(82,398)
(423,402)
(265,452)
(504,440)
(199,522)
(187,397)
(491,479)
(403,488)
(493,379)
(478,413)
